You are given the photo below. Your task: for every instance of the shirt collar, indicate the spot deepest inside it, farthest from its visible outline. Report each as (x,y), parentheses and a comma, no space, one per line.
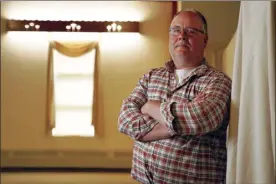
(200,70)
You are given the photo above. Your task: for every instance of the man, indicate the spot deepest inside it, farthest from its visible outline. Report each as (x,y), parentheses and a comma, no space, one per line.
(178,114)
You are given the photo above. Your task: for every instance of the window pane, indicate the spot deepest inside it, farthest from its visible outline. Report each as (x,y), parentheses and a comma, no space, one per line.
(83,64)
(81,131)
(73,91)
(74,122)
(73,94)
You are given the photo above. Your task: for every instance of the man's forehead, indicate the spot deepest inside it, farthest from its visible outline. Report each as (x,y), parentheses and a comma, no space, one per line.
(186,17)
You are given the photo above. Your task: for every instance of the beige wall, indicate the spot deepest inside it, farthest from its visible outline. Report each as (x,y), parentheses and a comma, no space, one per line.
(228,57)
(222,18)
(123,59)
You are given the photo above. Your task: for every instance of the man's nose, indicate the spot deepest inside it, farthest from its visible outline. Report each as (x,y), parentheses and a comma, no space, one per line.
(183,35)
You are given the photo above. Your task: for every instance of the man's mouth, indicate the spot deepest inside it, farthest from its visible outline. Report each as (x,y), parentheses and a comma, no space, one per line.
(182,46)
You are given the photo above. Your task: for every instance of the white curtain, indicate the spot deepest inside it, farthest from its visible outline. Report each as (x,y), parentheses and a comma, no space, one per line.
(251,138)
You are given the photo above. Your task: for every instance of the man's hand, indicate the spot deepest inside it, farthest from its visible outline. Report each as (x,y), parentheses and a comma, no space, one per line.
(152,108)
(159,131)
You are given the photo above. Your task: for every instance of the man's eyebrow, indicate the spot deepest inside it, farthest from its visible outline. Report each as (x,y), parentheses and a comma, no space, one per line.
(176,26)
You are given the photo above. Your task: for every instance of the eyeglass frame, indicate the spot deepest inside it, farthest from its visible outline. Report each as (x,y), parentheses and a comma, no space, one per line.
(185,30)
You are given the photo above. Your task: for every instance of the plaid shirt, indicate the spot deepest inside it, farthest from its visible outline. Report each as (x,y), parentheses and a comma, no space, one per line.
(197,113)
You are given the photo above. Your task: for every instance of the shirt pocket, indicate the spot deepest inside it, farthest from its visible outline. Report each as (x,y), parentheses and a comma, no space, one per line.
(185,93)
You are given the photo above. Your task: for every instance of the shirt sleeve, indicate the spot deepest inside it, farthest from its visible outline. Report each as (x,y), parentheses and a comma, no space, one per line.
(204,114)
(131,121)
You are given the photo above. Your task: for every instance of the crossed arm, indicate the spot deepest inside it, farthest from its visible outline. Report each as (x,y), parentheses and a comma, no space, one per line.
(137,117)
(148,120)
(160,130)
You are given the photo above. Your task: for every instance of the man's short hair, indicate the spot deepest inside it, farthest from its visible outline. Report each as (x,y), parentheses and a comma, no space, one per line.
(201,16)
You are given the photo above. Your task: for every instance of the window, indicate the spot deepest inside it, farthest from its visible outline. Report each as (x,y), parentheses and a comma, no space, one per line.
(73,91)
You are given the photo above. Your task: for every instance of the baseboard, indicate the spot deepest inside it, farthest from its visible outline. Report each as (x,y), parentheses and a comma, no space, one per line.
(66,178)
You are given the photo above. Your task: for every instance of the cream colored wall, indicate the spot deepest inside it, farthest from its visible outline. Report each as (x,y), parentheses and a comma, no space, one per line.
(228,57)
(123,59)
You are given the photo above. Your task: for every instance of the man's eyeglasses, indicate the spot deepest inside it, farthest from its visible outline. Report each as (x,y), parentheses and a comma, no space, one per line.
(189,31)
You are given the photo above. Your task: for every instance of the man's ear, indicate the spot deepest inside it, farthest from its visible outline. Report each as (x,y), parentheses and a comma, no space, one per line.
(206,40)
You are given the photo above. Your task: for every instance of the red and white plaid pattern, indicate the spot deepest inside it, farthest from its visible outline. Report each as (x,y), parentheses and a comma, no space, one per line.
(197,113)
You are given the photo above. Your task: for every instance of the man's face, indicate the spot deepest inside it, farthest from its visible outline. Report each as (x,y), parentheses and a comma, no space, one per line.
(187,40)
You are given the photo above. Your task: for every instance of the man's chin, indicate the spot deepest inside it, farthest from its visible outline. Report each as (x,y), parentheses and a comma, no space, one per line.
(181,55)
